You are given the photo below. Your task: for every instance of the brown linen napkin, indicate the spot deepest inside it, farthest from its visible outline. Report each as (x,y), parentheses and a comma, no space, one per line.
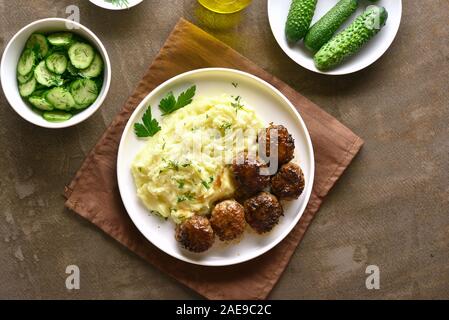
(94,193)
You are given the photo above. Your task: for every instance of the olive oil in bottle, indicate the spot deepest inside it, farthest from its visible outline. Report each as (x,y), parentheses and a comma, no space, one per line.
(225,6)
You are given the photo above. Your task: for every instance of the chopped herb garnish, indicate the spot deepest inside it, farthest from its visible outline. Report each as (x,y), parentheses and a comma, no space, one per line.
(188,163)
(149,127)
(181,199)
(235,84)
(181,183)
(186,196)
(237,105)
(118,3)
(226,125)
(170,104)
(173,165)
(189,196)
(207,184)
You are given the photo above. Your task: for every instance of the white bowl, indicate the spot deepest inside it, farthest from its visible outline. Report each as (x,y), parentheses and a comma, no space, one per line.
(8,70)
(277,14)
(272,106)
(107,5)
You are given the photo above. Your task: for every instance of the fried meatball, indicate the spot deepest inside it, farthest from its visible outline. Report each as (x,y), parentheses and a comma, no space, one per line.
(195,234)
(228,220)
(289,182)
(262,212)
(285,143)
(248,177)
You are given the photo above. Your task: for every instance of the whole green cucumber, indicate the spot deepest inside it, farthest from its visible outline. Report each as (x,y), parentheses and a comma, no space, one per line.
(299,19)
(323,30)
(352,39)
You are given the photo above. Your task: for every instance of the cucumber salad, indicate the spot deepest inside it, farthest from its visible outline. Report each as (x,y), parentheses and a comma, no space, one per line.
(59,74)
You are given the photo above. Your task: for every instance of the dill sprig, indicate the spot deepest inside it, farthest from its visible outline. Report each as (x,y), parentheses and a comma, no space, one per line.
(118,3)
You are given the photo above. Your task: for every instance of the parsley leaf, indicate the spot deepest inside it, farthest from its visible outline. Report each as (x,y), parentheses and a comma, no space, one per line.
(149,127)
(170,104)
(186,97)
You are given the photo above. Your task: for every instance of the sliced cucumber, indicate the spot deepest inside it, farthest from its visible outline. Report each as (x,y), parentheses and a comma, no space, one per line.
(84,92)
(58,74)
(56,116)
(72,70)
(99,82)
(60,98)
(60,39)
(28,88)
(38,43)
(25,78)
(95,69)
(38,92)
(40,102)
(56,63)
(45,77)
(26,62)
(81,55)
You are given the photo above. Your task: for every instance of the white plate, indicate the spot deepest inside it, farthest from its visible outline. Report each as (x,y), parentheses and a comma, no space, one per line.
(271,106)
(109,6)
(277,14)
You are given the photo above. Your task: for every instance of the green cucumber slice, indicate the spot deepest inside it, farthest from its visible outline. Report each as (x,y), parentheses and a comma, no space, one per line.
(84,92)
(40,103)
(81,55)
(25,78)
(56,63)
(26,62)
(72,70)
(38,92)
(28,88)
(56,116)
(38,43)
(60,38)
(45,77)
(60,98)
(95,69)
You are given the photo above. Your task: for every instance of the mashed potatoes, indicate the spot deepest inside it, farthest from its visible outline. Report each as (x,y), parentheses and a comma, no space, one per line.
(183,169)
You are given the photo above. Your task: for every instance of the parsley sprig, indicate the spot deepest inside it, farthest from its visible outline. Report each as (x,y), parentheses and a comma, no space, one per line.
(149,126)
(170,104)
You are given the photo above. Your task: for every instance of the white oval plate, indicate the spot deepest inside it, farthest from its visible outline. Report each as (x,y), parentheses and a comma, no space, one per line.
(277,14)
(271,106)
(110,6)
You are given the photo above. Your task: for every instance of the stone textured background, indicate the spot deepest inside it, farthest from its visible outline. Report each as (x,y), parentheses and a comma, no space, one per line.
(391,208)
